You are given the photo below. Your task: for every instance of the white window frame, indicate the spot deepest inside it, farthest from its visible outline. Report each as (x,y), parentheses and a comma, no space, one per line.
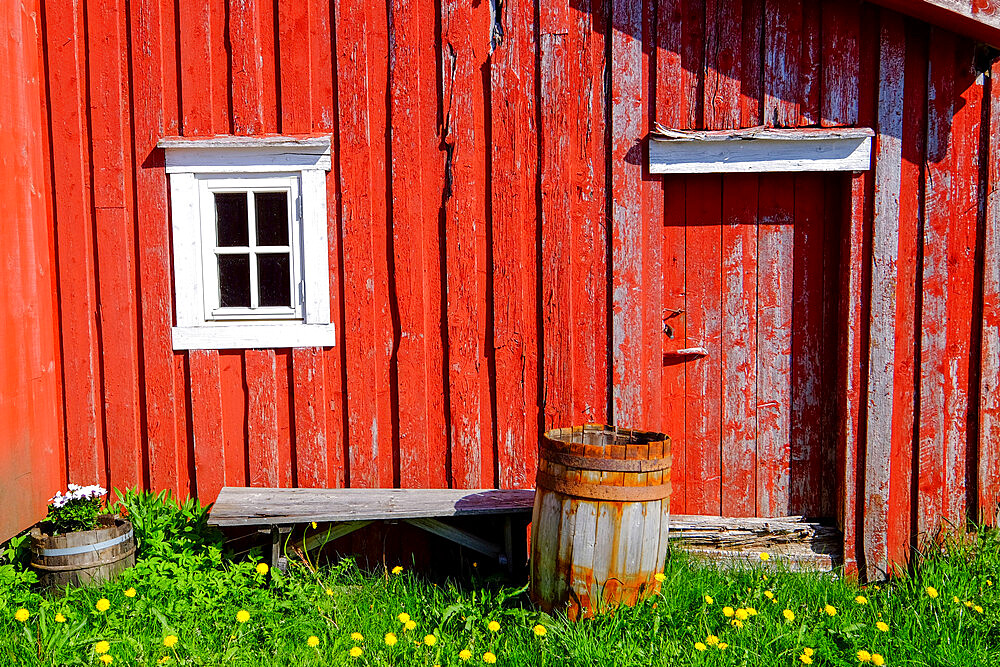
(200,167)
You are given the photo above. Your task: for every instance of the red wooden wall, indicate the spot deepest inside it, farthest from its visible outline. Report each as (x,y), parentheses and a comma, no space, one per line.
(501,261)
(32,467)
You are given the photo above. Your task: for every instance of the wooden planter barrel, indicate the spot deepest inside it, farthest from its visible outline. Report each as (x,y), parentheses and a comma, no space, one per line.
(84,558)
(599,526)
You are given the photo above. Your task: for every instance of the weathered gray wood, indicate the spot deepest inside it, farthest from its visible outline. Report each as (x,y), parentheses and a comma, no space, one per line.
(89,568)
(460,536)
(238,506)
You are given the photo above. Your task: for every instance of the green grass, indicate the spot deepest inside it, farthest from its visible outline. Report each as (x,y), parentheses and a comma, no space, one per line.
(185,588)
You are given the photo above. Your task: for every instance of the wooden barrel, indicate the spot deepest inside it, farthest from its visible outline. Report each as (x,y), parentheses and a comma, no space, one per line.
(599,526)
(84,558)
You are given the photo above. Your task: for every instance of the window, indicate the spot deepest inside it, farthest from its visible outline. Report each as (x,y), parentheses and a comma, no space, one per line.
(249,222)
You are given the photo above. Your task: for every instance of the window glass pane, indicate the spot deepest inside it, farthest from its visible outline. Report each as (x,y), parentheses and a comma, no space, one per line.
(232,227)
(272,218)
(273,276)
(234,281)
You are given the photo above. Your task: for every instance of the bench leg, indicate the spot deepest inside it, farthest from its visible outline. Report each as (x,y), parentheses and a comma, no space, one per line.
(278,534)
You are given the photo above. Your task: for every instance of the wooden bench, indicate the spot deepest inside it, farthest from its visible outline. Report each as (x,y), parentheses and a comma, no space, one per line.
(347,510)
(798,542)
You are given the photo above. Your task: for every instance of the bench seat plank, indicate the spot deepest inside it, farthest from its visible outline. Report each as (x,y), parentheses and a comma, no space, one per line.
(240,506)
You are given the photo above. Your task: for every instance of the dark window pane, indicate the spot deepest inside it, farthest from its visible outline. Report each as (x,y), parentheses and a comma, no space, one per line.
(272,218)
(234,281)
(273,275)
(231,219)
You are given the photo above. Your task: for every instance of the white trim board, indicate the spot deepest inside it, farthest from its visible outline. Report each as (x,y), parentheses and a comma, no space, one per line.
(254,336)
(759,150)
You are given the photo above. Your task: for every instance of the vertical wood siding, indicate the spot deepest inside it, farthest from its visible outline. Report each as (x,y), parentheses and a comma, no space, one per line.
(502,262)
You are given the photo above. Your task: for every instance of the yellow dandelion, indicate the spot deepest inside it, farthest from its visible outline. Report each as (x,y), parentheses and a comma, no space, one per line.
(805,659)
(164,660)
(262,568)
(699,646)
(737,623)
(742,614)
(830,610)
(709,600)
(357,637)
(877,660)
(242,616)
(728,612)
(106,659)
(954,598)
(769,595)
(968,604)
(430,640)
(409,625)
(539,630)
(493,626)
(398,569)
(329,592)
(403,618)
(22,615)
(313,641)
(390,639)
(130,592)
(861,599)
(489,658)
(864,656)
(313,524)
(103,605)
(712,640)
(978,609)
(789,615)
(989,582)
(931,592)
(752,611)
(723,646)
(169,641)
(764,556)
(883,627)
(660,577)
(464,654)
(60,618)
(356,651)
(102,647)
(808,651)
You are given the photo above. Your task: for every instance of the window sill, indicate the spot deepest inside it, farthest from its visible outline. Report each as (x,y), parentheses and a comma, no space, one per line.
(250,336)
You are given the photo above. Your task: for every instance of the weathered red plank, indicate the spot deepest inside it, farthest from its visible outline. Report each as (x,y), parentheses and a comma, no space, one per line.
(834,228)
(989,406)
(514,162)
(675,332)
(66,57)
(806,474)
(751,70)
(723,63)
(557,242)
(680,78)
(739,344)
(295,21)
(155,270)
(851,304)
(782,62)
(704,329)
(904,385)
(115,236)
(283,415)
(935,284)
(232,384)
(882,323)
(962,242)
(627,246)
(247,68)
(840,62)
(270,101)
(465,32)
(367,327)
(204,75)
(206,424)
(309,393)
(811,65)
(775,239)
(262,418)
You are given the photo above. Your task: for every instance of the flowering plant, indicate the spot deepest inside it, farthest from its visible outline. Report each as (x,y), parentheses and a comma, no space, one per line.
(75,510)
